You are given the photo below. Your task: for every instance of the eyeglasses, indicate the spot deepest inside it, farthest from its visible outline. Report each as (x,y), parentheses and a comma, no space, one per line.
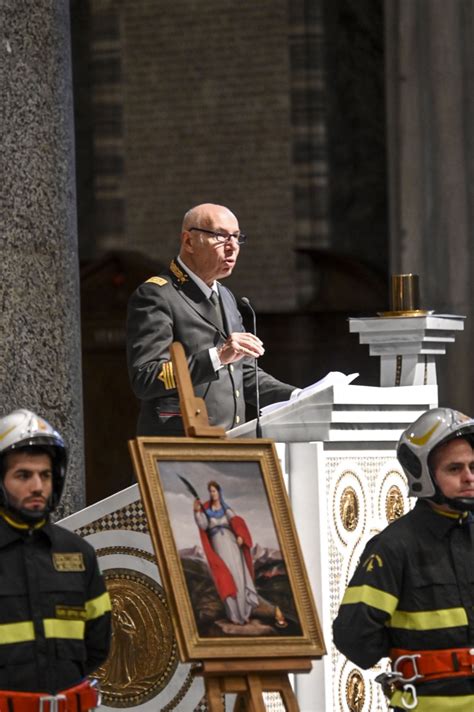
(239,237)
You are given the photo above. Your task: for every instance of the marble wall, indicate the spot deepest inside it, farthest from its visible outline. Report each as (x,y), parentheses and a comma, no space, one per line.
(40,359)
(430,85)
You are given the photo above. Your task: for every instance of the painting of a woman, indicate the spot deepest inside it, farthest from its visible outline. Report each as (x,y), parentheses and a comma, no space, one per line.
(227,544)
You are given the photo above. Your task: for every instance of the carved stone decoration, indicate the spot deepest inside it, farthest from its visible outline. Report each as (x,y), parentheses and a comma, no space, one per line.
(349,509)
(394,504)
(355,691)
(141,626)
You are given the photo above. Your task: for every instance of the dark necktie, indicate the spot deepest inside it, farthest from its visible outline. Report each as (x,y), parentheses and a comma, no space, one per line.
(215,301)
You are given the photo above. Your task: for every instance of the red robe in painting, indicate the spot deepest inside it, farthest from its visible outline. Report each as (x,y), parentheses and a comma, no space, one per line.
(223,578)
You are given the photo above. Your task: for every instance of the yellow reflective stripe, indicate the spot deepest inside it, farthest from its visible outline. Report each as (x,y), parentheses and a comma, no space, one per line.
(371,597)
(96,607)
(16,632)
(56,628)
(429,620)
(428,703)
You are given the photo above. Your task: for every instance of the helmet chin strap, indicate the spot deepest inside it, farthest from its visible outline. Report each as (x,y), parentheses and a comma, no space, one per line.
(30,516)
(460,504)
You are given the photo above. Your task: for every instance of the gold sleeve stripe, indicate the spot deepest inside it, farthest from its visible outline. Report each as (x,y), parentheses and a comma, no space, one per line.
(56,628)
(167,376)
(429,620)
(96,607)
(371,597)
(430,703)
(16,632)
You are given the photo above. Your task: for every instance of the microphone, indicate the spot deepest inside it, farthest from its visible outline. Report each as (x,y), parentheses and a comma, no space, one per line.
(258,427)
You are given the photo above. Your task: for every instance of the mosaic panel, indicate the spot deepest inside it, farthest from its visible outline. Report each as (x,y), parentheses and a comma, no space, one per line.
(365,493)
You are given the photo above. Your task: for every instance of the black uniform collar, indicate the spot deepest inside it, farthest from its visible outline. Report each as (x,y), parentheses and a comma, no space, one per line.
(12,530)
(178,273)
(194,295)
(200,283)
(184,283)
(437,521)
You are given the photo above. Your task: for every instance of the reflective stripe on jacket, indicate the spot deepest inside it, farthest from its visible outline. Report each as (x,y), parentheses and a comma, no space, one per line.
(54,609)
(413,589)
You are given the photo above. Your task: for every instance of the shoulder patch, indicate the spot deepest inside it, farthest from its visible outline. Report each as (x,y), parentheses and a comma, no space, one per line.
(373,561)
(160,281)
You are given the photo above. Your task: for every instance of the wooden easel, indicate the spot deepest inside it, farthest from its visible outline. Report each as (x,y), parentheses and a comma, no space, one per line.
(193,409)
(249,678)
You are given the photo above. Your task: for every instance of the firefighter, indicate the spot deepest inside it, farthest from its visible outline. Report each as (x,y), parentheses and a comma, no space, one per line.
(412,595)
(55,621)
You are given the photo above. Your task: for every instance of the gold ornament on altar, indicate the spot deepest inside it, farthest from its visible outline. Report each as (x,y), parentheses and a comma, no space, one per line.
(394,504)
(349,509)
(355,691)
(404,297)
(143,655)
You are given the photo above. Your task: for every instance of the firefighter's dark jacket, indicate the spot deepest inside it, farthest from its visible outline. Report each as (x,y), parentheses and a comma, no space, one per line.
(54,610)
(171,307)
(414,589)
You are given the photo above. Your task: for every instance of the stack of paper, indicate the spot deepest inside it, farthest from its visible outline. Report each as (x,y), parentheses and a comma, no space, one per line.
(333,378)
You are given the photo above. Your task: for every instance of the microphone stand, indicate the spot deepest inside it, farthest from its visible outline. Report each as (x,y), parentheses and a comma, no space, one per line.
(258,427)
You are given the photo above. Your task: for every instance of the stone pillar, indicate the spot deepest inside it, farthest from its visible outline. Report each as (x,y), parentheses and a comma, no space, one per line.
(40,357)
(430,108)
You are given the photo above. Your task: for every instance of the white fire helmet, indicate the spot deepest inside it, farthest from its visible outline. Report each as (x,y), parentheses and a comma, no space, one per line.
(21,429)
(433,428)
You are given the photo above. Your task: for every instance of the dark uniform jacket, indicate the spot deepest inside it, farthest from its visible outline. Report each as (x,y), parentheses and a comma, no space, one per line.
(54,610)
(414,590)
(171,307)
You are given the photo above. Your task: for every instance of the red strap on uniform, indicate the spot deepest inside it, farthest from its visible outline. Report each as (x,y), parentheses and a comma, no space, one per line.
(79,698)
(433,664)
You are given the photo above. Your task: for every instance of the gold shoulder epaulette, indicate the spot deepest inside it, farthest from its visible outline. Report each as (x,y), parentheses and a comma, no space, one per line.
(160,281)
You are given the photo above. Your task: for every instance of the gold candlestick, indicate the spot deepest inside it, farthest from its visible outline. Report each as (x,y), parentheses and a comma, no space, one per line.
(404,296)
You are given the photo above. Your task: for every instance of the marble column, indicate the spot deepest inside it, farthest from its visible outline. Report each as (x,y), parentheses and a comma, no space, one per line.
(40,357)
(430,107)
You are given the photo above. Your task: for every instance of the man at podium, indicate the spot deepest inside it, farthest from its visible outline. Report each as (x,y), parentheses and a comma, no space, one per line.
(412,596)
(188,304)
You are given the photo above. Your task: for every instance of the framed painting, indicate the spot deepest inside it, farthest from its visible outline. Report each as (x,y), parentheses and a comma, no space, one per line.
(227,548)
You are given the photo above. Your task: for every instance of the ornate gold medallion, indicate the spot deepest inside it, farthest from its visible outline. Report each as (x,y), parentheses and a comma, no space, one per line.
(394,504)
(143,657)
(349,509)
(355,691)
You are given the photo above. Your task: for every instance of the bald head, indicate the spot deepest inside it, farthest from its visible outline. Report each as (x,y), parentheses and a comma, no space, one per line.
(205,255)
(206,215)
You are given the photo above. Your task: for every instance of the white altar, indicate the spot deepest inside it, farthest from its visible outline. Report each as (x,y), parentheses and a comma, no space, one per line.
(338,452)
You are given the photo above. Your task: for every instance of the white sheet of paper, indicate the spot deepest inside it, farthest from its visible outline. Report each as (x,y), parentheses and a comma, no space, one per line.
(333,378)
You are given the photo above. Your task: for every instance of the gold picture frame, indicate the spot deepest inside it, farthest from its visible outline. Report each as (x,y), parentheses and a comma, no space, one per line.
(246,523)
